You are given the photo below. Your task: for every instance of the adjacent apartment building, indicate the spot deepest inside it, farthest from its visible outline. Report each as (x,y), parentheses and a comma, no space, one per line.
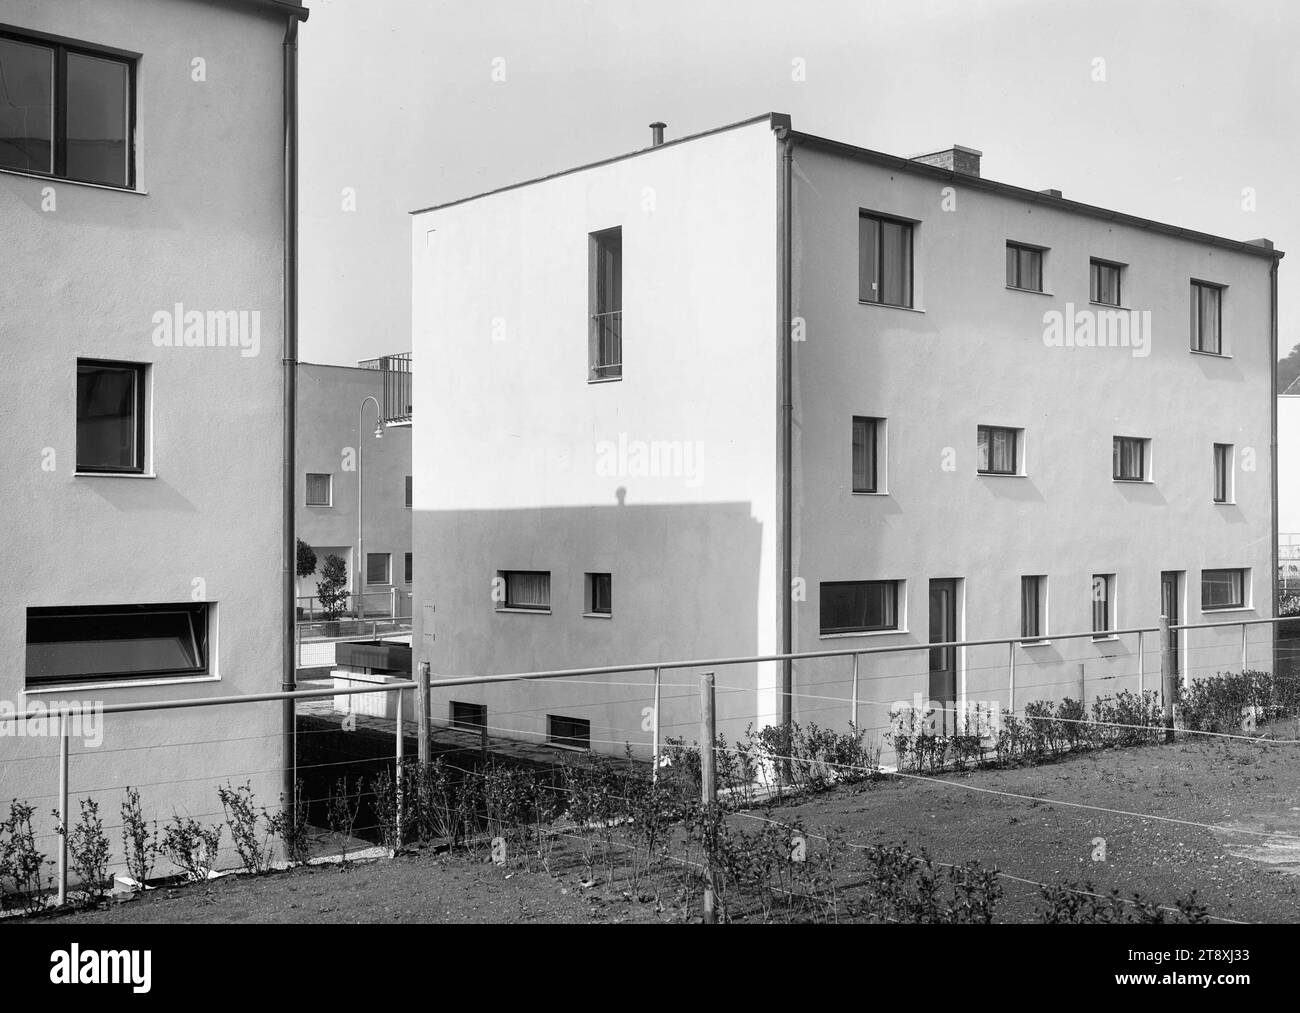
(756,391)
(351,430)
(143,192)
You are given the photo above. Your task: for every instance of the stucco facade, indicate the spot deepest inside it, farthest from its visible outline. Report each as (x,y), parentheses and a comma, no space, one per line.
(508,470)
(330,399)
(93,272)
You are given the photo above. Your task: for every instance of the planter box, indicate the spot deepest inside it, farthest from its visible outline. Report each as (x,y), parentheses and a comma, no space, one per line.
(375,705)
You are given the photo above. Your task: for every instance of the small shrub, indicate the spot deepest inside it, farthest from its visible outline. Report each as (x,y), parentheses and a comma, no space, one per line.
(192,847)
(88,852)
(341,811)
(21,863)
(139,840)
(291,826)
(252,843)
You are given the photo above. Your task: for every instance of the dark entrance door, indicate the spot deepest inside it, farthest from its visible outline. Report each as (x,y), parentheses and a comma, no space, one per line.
(943,660)
(1169,607)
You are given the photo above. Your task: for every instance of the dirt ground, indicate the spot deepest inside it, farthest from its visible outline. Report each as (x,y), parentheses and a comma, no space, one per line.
(1240,873)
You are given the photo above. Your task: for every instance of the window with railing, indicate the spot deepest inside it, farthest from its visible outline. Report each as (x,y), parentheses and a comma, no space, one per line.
(605,338)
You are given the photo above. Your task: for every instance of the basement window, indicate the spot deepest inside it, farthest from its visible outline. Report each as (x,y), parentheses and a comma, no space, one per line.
(568,733)
(468,716)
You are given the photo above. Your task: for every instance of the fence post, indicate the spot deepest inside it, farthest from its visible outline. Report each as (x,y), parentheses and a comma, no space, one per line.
(853,721)
(63,808)
(392,602)
(1141,667)
(1167,677)
(1011,666)
(401,744)
(654,727)
(708,785)
(424,714)
(1243,647)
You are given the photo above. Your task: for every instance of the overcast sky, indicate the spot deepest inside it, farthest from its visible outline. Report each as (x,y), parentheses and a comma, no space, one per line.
(1200,101)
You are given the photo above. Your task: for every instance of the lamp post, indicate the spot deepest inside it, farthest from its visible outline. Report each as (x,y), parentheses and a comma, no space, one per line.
(361,489)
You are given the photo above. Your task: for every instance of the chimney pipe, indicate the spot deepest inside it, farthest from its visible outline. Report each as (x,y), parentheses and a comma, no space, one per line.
(657,133)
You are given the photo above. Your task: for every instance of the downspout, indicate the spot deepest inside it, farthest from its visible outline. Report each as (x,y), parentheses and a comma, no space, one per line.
(1272,446)
(289,659)
(785,313)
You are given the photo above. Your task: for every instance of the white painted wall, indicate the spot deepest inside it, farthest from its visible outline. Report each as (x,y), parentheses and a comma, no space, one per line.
(1288,464)
(508,430)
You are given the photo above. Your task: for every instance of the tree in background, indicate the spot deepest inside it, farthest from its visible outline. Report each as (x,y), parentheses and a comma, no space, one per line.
(306,559)
(332,588)
(1288,369)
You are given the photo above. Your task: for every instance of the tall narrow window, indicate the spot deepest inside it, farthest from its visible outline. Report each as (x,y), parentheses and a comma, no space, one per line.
(1104,282)
(1033,607)
(527,589)
(866,446)
(319,489)
(1130,459)
(110,416)
(407,569)
(605,341)
(409,497)
(1223,473)
(884,260)
(600,594)
(996,450)
(66,110)
(1207,318)
(93,643)
(1024,267)
(1103,599)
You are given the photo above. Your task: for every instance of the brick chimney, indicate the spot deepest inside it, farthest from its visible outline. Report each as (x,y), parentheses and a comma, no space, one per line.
(955,159)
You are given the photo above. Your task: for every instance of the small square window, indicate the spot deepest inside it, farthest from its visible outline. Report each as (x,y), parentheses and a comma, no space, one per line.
(997,451)
(600,594)
(469,716)
(1104,282)
(1223,589)
(529,590)
(859,606)
(571,733)
(378,567)
(1130,459)
(320,489)
(1024,267)
(111,418)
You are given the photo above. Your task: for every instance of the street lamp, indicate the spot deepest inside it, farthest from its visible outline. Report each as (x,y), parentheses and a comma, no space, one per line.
(361,488)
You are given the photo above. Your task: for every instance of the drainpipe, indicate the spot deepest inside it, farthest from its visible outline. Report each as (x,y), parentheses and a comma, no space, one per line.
(1272,446)
(289,659)
(785,313)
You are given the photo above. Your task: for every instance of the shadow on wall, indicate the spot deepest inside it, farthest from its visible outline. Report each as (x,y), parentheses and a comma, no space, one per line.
(684,581)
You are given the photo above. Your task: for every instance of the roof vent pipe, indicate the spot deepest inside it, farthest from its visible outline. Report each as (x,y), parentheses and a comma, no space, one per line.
(657,133)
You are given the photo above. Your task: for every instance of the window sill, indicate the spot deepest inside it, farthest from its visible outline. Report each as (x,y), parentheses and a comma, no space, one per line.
(1033,643)
(1031,291)
(1102,638)
(114,474)
(1002,474)
(889,306)
(55,180)
(1233,608)
(604,379)
(1111,306)
(862,492)
(1210,355)
(1133,481)
(597,615)
(526,612)
(95,687)
(1225,502)
(862,633)
(569,749)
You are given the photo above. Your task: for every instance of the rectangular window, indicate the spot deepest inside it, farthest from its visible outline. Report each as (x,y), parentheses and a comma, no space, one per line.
(469,716)
(1223,589)
(110,417)
(996,451)
(1033,608)
(884,260)
(407,569)
(1103,603)
(1129,459)
(1223,472)
(605,297)
(1104,282)
(320,489)
(103,642)
(66,111)
(1024,267)
(859,606)
(527,589)
(572,733)
(409,491)
(600,594)
(1207,317)
(378,567)
(866,454)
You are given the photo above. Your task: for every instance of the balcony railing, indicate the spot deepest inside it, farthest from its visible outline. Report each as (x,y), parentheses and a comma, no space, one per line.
(396,393)
(606,356)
